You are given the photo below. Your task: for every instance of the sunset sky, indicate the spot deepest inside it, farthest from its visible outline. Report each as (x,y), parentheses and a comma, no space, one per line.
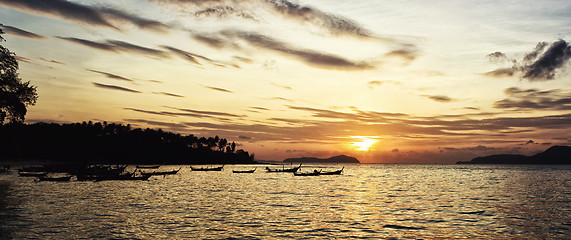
(383,81)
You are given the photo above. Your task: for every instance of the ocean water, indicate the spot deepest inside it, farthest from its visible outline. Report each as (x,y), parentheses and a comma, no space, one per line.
(369,201)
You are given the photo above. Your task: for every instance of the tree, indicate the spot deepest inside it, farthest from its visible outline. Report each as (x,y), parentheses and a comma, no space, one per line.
(15,95)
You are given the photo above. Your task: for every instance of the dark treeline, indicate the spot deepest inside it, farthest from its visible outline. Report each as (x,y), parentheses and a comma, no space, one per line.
(90,142)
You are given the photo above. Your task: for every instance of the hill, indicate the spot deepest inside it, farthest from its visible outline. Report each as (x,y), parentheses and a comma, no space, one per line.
(553,155)
(336,159)
(89,142)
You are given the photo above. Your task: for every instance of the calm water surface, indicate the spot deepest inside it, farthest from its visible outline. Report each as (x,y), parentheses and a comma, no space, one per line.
(368,201)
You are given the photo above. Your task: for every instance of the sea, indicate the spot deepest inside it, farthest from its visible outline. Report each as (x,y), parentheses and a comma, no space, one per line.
(368,201)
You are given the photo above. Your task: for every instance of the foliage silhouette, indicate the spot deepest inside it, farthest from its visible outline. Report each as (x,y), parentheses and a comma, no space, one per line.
(88,142)
(15,95)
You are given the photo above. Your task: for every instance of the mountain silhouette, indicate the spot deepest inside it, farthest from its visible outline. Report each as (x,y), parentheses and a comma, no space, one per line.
(553,155)
(336,159)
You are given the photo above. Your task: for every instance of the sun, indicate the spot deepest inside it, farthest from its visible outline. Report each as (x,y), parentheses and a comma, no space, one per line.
(364,144)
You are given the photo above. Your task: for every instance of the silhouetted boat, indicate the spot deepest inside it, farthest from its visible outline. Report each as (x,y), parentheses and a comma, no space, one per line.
(161,173)
(122,177)
(55,179)
(283,169)
(148,166)
(244,171)
(207,168)
(99,170)
(32,174)
(333,172)
(314,173)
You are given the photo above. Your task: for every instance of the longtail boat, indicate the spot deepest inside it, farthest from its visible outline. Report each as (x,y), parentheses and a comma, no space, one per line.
(337,172)
(148,166)
(207,168)
(55,179)
(283,169)
(244,171)
(314,173)
(161,173)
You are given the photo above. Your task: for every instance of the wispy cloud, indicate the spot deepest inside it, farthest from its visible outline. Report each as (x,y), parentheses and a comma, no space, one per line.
(87,14)
(112,76)
(500,72)
(439,98)
(282,86)
(169,94)
(20,33)
(191,57)
(52,61)
(256,10)
(310,57)
(210,113)
(218,89)
(114,87)
(117,46)
(534,99)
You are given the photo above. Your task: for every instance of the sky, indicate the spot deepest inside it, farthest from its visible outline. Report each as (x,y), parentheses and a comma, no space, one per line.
(384,81)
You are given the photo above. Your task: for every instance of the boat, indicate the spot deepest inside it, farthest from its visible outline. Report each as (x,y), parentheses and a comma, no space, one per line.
(294,169)
(54,179)
(148,166)
(161,173)
(244,171)
(121,177)
(314,173)
(337,172)
(207,168)
(32,174)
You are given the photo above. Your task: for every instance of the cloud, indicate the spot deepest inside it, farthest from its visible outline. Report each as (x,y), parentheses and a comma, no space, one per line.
(218,89)
(282,86)
(191,57)
(112,76)
(439,98)
(243,59)
(476,148)
(128,47)
(62,9)
(497,57)
(20,33)
(135,20)
(91,15)
(91,44)
(373,84)
(310,57)
(118,47)
(211,40)
(169,94)
(408,54)
(544,67)
(260,108)
(23,59)
(210,113)
(52,61)
(256,10)
(534,99)
(113,87)
(538,65)
(501,72)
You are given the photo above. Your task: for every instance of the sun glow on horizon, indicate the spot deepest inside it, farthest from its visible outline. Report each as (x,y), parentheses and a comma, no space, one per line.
(364,144)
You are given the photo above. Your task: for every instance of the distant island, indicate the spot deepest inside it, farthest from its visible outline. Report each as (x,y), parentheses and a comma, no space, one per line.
(336,159)
(553,155)
(93,143)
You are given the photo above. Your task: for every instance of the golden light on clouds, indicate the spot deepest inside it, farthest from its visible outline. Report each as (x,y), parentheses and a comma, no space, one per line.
(364,143)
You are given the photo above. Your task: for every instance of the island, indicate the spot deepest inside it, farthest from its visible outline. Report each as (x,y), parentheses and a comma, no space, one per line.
(111,143)
(336,159)
(553,155)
